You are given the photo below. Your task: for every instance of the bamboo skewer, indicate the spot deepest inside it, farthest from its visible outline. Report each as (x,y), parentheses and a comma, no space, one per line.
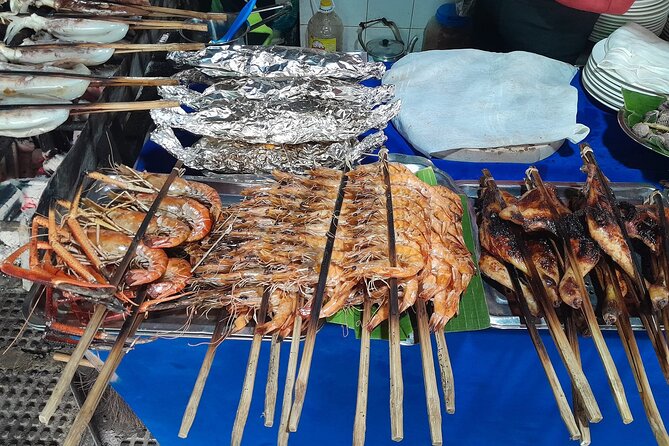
(250,377)
(162,24)
(447,380)
(560,397)
(308,352)
(634,357)
(429,374)
(395,356)
(272,387)
(70,369)
(78,109)
(282,439)
(611,371)
(195,396)
(579,413)
(120,48)
(360,423)
(569,360)
(116,354)
(98,81)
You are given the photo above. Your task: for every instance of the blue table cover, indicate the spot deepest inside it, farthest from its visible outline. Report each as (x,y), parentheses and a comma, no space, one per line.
(502,396)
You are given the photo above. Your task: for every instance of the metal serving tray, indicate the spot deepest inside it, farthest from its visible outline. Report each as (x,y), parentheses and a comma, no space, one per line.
(174,323)
(500,312)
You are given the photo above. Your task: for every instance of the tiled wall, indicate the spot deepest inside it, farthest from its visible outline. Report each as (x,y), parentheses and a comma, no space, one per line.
(411,16)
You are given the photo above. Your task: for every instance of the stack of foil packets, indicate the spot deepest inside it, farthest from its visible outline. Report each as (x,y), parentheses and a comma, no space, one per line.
(263,108)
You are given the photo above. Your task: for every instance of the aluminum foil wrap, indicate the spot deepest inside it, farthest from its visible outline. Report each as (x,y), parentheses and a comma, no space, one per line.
(272,122)
(223,156)
(288,89)
(280,61)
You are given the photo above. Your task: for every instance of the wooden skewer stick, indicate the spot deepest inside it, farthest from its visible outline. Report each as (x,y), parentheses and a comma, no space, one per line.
(447,380)
(250,377)
(579,413)
(634,358)
(272,387)
(70,369)
(62,357)
(164,24)
(591,319)
(396,380)
(195,396)
(560,397)
(121,48)
(360,423)
(78,109)
(97,81)
(429,374)
(576,374)
(111,364)
(282,439)
(317,302)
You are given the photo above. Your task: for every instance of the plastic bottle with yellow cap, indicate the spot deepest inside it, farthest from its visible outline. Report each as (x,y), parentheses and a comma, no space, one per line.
(325,29)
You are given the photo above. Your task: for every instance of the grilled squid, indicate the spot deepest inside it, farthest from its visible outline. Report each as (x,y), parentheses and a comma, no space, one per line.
(66,29)
(23,123)
(85,56)
(46,87)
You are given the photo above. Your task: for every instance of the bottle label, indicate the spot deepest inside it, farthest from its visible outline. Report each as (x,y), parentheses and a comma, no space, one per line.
(329,45)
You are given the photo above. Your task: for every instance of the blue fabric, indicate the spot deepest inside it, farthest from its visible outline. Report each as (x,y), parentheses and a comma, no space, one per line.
(502,397)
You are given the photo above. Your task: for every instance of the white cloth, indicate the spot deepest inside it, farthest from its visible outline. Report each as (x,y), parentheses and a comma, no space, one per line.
(639,57)
(453,99)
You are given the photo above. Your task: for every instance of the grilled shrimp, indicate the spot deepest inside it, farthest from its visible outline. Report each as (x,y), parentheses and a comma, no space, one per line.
(113,246)
(175,279)
(163,231)
(191,211)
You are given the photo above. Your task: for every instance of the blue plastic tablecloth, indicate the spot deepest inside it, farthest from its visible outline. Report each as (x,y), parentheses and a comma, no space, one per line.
(502,396)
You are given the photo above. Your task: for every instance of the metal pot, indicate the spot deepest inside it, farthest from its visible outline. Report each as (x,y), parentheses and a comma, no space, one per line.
(385,50)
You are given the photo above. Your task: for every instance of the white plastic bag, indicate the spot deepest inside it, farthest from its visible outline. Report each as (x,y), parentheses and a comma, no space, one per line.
(454,99)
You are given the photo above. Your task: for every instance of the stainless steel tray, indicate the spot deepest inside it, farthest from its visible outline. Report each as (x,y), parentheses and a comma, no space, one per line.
(174,323)
(500,312)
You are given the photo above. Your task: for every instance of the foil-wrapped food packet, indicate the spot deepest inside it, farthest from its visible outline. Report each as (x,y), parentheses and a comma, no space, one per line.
(280,61)
(271,122)
(222,156)
(287,89)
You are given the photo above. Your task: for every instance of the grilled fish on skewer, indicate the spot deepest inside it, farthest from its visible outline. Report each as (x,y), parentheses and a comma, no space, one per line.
(546,261)
(495,270)
(531,212)
(641,223)
(602,223)
(587,255)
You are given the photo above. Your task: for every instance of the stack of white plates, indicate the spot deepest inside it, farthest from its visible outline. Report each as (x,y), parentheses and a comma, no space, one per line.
(651,14)
(605,86)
